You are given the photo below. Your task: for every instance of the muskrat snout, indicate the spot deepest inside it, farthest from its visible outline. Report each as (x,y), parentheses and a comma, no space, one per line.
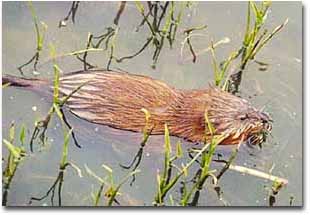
(266,120)
(263,127)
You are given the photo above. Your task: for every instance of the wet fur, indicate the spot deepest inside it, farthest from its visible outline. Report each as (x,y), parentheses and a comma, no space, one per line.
(116,99)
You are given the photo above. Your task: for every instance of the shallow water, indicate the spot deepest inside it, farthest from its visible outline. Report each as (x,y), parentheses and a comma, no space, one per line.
(279,89)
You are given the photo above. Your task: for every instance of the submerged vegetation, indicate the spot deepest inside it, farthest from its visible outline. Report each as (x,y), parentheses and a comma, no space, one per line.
(162,20)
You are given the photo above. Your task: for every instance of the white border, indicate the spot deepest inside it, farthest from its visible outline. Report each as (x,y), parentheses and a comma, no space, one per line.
(218,211)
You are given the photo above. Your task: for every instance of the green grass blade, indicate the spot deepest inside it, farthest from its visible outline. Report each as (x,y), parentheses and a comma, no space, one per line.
(15,151)
(140,6)
(64,157)
(58,112)
(167,140)
(22,135)
(91,173)
(56,84)
(179,152)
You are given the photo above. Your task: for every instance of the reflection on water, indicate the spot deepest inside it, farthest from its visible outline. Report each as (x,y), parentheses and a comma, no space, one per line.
(278,89)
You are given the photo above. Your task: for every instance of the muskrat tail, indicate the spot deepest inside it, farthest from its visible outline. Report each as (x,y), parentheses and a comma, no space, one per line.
(33,83)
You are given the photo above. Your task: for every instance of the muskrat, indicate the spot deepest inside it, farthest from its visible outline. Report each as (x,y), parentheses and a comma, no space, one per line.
(115,99)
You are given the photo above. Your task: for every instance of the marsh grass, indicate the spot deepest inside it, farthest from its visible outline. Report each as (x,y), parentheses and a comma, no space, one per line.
(58,183)
(204,172)
(153,16)
(43,124)
(57,105)
(40,29)
(165,180)
(147,130)
(108,187)
(161,18)
(16,154)
(255,39)
(107,39)
(41,127)
(162,21)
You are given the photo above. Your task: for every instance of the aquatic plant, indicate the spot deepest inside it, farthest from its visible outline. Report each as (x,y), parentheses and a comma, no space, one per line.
(108,38)
(58,183)
(43,124)
(58,103)
(72,13)
(40,34)
(254,40)
(158,33)
(188,33)
(16,154)
(204,171)
(112,189)
(162,21)
(146,134)
(166,182)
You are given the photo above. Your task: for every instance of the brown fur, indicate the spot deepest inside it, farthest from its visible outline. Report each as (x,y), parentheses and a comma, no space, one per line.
(116,99)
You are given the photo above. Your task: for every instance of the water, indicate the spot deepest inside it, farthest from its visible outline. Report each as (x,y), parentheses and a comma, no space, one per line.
(279,89)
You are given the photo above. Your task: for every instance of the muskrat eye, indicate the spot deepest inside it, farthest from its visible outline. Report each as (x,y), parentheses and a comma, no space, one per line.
(243,117)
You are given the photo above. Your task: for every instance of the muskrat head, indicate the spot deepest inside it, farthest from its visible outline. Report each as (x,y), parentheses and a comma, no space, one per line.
(254,126)
(236,119)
